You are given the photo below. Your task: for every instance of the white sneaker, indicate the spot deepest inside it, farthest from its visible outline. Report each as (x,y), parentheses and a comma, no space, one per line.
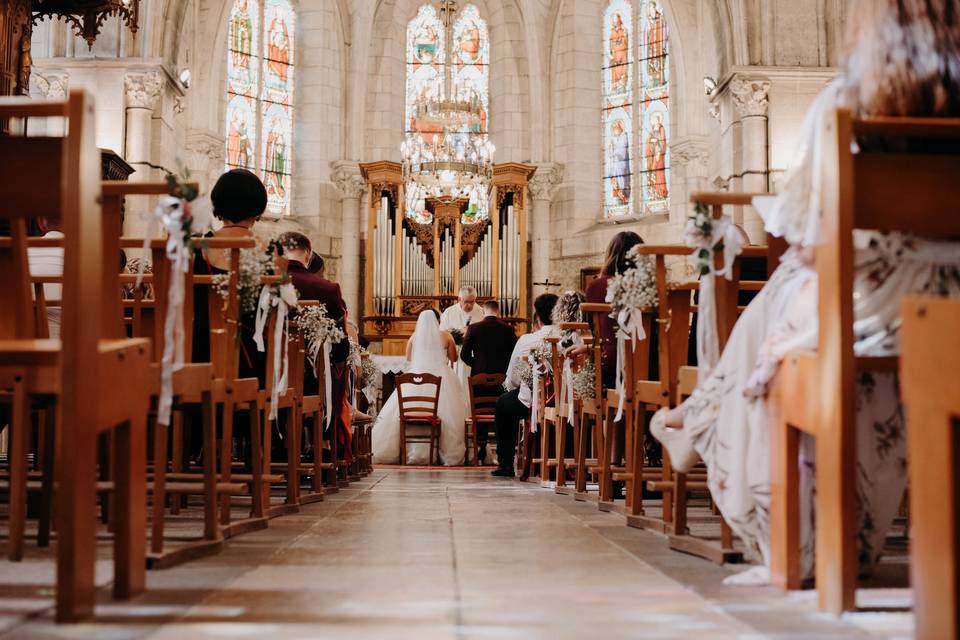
(683,457)
(758,576)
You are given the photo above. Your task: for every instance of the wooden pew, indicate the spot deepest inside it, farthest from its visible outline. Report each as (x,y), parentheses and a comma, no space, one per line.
(308,405)
(101,381)
(861,191)
(567,405)
(931,395)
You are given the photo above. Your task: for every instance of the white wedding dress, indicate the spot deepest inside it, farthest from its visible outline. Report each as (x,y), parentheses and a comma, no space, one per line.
(428,355)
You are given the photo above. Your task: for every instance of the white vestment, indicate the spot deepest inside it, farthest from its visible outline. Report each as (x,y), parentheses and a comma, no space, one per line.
(454,317)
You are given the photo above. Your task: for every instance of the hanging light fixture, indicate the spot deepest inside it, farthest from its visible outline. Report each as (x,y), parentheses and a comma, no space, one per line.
(455,161)
(87,16)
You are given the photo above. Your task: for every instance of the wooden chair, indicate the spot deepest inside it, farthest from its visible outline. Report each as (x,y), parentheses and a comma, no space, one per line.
(931,393)
(309,406)
(588,434)
(419,421)
(861,191)
(483,408)
(568,407)
(101,381)
(238,394)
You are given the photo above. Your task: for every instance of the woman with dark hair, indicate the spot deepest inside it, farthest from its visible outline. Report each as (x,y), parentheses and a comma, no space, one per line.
(903,60)
(239,199)
(614,263)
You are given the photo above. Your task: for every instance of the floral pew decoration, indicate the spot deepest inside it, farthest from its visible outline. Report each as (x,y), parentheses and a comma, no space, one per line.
(629,293)
(182,216)
(320,332)
(567,311)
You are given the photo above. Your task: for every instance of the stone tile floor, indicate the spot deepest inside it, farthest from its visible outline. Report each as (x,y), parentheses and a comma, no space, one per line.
(442,554)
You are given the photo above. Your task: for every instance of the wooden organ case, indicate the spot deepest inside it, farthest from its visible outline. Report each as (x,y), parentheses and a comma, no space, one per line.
(413,265)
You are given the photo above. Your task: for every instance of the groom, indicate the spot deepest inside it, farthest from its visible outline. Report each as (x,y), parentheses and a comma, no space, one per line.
(514,405)
(487,346)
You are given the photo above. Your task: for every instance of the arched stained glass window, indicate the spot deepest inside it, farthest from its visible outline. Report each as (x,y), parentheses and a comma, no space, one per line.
(650,194)
(618,108)
(259,118)
(438,72)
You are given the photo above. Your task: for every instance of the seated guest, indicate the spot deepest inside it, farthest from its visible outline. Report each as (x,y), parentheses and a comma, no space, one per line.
(903,60)
(487,346)
(48,261)
(312,286)
(514,405)
(316,264)
(239,199)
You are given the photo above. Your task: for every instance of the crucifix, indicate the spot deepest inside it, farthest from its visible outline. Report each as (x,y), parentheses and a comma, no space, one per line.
(448,8)
(547,284)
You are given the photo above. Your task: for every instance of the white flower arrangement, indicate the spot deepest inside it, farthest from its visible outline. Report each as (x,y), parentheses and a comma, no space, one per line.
(254,264)
(699,234)
(634,288)
(355,357)
(584,381)
(368,373)
(317,328)
(525,372)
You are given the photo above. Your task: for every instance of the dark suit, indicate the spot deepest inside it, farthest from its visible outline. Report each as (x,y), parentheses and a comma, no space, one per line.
(487,346)
(310,286)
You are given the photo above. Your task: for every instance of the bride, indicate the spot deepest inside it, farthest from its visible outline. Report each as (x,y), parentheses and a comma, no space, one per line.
(429,350)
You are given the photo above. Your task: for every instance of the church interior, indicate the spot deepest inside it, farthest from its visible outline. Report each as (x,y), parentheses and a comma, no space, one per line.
(479,319)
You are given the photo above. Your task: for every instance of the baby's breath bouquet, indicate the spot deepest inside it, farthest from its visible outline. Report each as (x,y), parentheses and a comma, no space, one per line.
(583,382)
(634,288)
(368,372)
(542,356)
(525,372)
(355,357)
(254,264)
(317,328)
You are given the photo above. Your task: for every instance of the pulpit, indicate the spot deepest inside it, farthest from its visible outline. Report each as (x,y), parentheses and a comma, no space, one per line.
(419,259)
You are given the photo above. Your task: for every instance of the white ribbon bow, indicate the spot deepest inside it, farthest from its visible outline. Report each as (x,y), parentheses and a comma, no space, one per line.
(566,388)
(170,214)
(282,298)
(708,340)
(629,327)
(535,402)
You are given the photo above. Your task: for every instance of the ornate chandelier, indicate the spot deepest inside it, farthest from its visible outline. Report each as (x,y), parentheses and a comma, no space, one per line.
(449,156)
(87,16)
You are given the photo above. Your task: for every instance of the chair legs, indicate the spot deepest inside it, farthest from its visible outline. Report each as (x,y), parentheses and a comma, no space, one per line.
(19,435)
(131,514)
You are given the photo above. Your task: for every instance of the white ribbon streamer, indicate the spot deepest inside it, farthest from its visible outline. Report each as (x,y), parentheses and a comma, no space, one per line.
(270,297)
(170,214)
(708,340)
(566,388)
(535,402)
(629,327)
(328,382)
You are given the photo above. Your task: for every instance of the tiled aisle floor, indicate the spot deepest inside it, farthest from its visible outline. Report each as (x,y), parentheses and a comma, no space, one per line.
(448,554)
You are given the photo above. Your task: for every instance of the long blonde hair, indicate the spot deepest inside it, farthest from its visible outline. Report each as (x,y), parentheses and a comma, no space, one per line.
(903,58)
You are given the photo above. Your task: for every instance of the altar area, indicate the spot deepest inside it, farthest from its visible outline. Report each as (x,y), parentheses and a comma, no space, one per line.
(417,259)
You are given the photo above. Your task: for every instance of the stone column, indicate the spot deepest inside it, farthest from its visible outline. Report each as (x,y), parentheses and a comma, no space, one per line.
(205,158)
(543,186)
(142,90)
(346,175)
(750,96)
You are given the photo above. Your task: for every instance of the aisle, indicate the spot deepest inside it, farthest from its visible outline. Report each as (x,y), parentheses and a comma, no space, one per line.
(447,554)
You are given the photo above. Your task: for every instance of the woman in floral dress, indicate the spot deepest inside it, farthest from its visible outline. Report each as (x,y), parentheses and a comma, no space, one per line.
(904,61)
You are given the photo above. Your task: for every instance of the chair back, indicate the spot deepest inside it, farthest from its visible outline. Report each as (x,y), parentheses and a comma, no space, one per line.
(904,177)
(483,405)
(418,395)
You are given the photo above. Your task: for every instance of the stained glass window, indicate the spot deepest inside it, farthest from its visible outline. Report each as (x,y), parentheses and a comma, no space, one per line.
(427,80)
(260,71)
(651,118)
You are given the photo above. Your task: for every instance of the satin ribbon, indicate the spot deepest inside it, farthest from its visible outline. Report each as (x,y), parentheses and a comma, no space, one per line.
(170,214)
(708,340)
(566,388)
(328,383)
(535,402)
(280,298)
(629,327)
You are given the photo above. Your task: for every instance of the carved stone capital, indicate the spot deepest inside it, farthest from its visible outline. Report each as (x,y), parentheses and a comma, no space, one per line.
(690,151)
(544,182)
(750,95)
(143,89)
(346,175)
(51,85)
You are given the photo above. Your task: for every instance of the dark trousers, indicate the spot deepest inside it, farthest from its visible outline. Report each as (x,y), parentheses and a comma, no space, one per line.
(510,411)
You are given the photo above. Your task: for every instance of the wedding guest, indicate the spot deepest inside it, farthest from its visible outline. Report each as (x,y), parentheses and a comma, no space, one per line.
(48,261)
(316,264)
(487,346)
(312,286)
(903,59)
(514,405)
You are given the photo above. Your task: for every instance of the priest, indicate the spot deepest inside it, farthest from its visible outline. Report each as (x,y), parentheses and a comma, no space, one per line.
(456,318)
